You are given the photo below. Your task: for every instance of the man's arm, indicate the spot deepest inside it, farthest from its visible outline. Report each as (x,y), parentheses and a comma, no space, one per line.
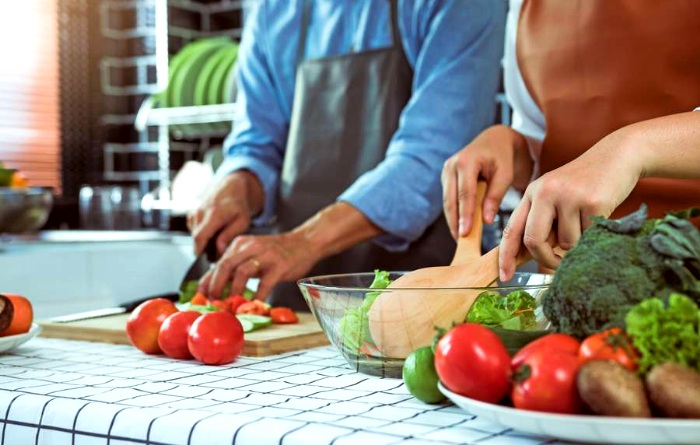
(259,134)
(455,47)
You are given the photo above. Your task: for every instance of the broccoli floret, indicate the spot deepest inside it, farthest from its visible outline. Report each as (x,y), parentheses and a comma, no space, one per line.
(612,268)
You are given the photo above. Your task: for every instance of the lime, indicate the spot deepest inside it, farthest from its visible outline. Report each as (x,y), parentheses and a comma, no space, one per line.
(420,377)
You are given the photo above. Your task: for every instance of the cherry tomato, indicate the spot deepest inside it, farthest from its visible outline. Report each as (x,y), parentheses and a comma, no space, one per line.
(234,302)
(283,315)
(611,344)
(172,337)
(22,317)
(471,360)
(144,323)
(254,307)
(216,338)
(546,381)
(199,299)
(549,342)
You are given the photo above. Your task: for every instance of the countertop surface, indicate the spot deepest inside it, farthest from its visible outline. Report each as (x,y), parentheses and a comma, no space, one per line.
(70,392)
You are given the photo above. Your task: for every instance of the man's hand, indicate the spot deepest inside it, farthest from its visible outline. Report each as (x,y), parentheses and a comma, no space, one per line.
(228,209)
(290,255)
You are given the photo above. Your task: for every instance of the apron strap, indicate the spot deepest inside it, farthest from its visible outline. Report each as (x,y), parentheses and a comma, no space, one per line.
(395,33)
(306,17)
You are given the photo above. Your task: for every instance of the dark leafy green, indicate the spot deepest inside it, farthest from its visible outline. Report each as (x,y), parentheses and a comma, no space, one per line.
(617,264)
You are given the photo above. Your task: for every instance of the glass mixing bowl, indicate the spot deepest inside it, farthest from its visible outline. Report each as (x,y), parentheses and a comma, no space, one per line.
(341,303)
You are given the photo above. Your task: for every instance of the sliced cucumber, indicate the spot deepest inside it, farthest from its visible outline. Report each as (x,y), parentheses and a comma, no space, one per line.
(247,325)
(258,321)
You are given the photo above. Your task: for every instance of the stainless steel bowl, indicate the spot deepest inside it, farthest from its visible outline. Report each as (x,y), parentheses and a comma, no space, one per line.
(24,210)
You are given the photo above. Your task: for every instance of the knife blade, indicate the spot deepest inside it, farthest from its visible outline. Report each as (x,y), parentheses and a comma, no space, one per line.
(104,312)
(202,263)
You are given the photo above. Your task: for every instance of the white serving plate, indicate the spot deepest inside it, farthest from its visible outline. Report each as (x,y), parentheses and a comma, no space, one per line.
(582,428)
(13,341)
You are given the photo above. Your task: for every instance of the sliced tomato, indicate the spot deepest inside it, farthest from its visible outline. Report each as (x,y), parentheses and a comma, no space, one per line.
(611,344)
(255,307)
(235,302)
(283,315)
(199,299)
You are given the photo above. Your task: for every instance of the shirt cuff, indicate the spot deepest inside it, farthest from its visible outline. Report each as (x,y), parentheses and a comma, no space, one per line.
(265,174)
(402,220)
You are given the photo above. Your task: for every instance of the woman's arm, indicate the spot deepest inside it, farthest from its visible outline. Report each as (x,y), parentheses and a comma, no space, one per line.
(597,182)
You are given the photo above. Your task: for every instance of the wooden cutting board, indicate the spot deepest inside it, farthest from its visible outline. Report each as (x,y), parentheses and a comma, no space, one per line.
(271,340)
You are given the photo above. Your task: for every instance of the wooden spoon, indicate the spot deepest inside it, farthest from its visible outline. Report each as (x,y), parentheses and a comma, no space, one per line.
(401,322)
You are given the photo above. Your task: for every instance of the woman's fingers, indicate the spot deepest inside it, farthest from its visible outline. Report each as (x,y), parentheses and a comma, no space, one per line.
(449,196)
(511,239)
(539,225)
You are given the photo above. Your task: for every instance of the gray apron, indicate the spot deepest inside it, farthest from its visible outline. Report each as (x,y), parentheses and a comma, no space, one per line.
(346,110)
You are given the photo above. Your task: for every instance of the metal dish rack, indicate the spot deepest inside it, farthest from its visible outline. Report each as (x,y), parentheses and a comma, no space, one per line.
(141,35)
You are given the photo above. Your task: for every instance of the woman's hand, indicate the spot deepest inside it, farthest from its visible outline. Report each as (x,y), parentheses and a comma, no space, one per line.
(272,258)
(228,209)
(565,199)
(500,156)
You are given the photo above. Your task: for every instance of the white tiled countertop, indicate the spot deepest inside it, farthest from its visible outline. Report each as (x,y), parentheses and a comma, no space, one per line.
(70,392)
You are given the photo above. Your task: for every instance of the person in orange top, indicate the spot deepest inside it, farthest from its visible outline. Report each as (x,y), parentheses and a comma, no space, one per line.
(603,95)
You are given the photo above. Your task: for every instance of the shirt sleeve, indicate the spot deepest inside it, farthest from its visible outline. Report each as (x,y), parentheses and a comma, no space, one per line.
(260,129)
(455,47)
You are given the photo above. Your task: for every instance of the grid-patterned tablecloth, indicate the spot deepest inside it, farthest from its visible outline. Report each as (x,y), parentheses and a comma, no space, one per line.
(69,392)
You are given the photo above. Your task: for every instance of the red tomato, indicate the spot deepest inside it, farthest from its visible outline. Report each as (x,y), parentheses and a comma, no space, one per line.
(472,361)
(549,342)
(219,304)
(143,324)
(234,302)
(22,317)
(172,337)
(199,299)
(546,381)
(283,315)
(254,307)
(216,338)
(611,344)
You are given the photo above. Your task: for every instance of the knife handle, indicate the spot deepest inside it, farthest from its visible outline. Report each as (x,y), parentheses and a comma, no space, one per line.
(210,249)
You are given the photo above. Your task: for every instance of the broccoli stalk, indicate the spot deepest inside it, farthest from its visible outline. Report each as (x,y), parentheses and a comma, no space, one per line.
(618,263)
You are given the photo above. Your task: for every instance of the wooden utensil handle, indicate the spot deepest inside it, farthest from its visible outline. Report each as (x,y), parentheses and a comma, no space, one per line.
(469,247)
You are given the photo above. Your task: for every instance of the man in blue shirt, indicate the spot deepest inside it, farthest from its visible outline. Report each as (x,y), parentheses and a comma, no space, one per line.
(348,110)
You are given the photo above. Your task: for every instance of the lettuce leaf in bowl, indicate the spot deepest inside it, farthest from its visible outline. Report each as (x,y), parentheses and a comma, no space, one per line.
(515,311)
(354,326)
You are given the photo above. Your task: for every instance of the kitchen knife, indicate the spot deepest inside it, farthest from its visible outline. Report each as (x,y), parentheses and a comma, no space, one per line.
(202,263)
(121,309)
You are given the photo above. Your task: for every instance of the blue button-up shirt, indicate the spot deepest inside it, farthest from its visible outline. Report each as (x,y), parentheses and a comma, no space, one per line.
(454,47)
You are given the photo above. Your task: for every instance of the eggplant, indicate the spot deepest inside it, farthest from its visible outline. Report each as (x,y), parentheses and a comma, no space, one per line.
(7,311)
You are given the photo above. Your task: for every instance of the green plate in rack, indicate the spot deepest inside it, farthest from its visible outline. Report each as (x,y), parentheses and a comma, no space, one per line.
(217,84)
(184,79)
(163,98)
(202,85)
(230,86)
